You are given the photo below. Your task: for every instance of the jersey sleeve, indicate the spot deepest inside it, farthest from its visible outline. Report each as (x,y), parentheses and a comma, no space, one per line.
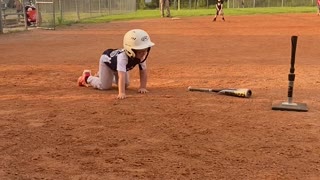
(143,65)
(122,61)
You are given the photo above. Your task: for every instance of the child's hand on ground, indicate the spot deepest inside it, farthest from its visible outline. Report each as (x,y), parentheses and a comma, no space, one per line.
(121,96)
(142,90)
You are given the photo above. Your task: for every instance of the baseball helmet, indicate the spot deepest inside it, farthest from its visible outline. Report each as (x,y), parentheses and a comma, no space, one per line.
(136,39)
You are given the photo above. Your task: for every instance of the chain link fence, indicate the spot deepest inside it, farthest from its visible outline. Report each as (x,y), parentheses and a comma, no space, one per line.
(75,10)
(194,4)
(51,12)
(268,3)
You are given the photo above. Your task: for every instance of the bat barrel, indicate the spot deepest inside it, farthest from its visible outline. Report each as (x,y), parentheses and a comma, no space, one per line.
(246,93)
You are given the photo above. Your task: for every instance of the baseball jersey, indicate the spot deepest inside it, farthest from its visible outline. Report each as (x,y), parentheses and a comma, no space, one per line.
(219,3)
(117,60)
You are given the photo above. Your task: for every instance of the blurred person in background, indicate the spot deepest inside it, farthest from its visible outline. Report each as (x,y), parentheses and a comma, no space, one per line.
(19,7)
(165,4)
(219,10)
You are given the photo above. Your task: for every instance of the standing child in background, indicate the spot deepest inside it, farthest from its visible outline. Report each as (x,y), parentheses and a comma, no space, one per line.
(115,63)
(219,10)
(318,3)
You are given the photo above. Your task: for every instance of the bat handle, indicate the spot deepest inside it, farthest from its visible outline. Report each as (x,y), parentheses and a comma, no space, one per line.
(291,75)
(199,89)
(294,40)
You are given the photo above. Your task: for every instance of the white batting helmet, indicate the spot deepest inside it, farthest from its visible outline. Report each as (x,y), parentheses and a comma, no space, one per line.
(136,39)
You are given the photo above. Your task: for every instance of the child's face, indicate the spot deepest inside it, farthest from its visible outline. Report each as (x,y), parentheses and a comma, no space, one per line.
(141,54)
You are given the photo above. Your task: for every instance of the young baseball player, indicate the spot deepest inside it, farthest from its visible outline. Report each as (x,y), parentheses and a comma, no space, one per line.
(114,64)
(219,10)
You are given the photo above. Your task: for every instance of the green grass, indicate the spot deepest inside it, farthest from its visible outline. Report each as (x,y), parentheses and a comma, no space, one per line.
(149,14)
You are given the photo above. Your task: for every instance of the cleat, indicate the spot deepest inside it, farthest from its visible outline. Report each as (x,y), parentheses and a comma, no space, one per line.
(214,19)
(82,79)
(223,19)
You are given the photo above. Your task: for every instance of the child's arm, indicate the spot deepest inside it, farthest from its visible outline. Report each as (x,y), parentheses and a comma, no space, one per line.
(121,85)
(143,81)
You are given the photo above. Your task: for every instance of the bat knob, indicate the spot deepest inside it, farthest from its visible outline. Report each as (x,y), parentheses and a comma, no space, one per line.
(249,93)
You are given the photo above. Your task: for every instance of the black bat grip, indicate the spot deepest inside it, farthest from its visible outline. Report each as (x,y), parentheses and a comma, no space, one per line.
(294,40)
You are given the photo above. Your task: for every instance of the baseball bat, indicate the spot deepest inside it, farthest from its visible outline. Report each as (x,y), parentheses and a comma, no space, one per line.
(291,75)
(245,93)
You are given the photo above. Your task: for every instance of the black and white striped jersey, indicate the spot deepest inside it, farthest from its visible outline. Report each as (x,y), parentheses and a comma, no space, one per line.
(117,60)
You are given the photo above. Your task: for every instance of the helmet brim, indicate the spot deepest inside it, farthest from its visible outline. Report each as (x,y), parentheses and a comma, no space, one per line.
(144,46)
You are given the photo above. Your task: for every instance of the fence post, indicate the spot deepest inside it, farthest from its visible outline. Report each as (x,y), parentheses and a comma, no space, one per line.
(1,28)
(54,15)
(77,10)
(109,1)
(90,8)
(61,15)
(99,7)
(24,15)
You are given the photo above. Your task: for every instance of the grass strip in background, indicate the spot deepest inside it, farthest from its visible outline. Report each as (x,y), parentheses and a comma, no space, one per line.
(149,14)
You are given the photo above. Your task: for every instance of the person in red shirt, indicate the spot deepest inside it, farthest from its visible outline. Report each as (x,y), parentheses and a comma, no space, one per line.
(31,15)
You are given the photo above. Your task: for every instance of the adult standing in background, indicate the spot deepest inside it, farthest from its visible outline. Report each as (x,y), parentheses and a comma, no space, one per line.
(165,4)
(19,8)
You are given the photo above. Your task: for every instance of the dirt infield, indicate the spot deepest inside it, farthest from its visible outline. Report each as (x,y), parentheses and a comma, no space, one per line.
(52,129)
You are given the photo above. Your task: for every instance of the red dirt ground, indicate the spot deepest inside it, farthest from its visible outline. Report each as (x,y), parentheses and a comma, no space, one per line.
(52,129)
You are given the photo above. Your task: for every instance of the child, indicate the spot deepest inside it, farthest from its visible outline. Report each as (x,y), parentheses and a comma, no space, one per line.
(31,15)
(219,10)
(115,63)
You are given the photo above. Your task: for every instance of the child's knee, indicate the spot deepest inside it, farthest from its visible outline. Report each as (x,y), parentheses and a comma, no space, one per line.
(127,85)
(105,87)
